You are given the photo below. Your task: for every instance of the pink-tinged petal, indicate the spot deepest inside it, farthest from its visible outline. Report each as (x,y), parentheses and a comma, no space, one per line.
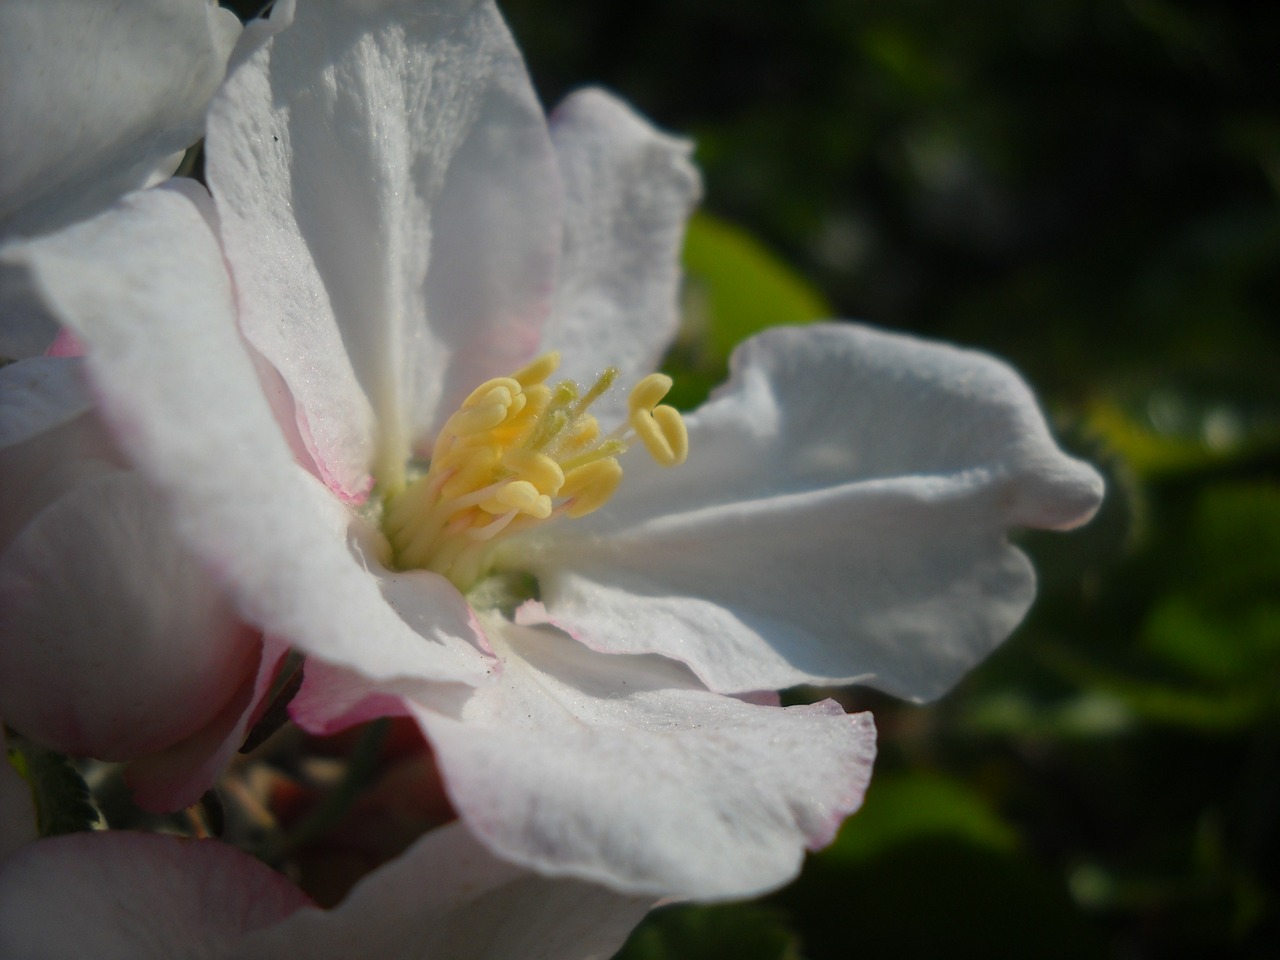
(627,772)
(100,98)
(146,289)
(388,196)
(179,775)
(628,192)
(37,472)
(17,807)
(332,699)
(129,896)
(49,439)
(37,395)
(65,344)
(115,641)
(843,516)
(447,898)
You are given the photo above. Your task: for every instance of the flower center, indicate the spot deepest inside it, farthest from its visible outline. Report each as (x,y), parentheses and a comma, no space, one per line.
(520,453)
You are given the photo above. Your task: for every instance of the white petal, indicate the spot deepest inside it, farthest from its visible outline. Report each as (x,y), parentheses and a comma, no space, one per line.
(26,327)
(49,439)
(447,898)
(114,641)
(98,98)
(132,896)
(843,516)
(332,699)
(628,192)
(625,771)
(39,394)
(146,289)
(388,197)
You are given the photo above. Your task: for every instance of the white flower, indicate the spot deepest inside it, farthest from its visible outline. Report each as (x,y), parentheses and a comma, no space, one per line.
(400,225)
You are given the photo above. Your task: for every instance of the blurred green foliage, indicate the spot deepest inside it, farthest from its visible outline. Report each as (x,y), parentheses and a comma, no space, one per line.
(734,287)
(1091,189)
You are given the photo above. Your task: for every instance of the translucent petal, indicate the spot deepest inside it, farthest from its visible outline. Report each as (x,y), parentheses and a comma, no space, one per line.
(389,205)
(627,772)
(628,191)
(844,515)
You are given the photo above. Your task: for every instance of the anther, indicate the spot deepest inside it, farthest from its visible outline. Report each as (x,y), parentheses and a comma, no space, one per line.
(474,470)
(474,420)
(585,431)
(537,468)
(525,420)
(517,452)
(523,496)
(502,389)
(674,431)
(663,433)
(646,394)
(538,370)
(589,487)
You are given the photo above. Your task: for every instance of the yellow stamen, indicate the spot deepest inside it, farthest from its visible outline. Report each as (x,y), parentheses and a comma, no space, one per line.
(539,370)
(648,393)
(590,486)
(475,466)
(474,420)
(523,496)
(498,390)
(584,432)
(674,432)
(539,469)
(516,454)
(607,448)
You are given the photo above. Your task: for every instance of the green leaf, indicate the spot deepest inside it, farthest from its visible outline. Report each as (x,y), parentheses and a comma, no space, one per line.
(63,804)
(745,288)
(899,808)
(1198,707)
(1221,621)
(734,287)
(735,931)
(1170,431)
(1088,715)
(1218,642)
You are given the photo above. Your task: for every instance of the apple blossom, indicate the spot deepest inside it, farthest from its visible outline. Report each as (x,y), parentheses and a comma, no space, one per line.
(337,375)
